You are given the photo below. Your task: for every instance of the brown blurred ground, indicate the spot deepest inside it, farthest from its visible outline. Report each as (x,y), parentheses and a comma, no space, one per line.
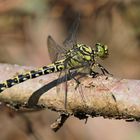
(24,27)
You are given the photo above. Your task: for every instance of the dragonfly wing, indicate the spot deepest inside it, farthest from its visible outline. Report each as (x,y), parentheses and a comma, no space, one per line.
(62,88)
(55,51)
(71,39)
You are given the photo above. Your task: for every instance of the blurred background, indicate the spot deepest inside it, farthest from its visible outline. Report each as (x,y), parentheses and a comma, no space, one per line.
(24,28)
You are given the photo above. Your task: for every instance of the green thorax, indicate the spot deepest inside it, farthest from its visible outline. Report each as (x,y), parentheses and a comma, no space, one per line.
(82,54)
(79,55)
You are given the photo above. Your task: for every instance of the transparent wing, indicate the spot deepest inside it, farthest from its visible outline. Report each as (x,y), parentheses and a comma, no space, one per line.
(71,39)
(55,51)
(62,88)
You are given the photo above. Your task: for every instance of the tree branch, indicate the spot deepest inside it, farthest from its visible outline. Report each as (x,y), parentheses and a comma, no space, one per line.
(101,96)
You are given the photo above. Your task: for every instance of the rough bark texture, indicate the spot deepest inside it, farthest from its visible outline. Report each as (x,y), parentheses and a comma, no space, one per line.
(101,96)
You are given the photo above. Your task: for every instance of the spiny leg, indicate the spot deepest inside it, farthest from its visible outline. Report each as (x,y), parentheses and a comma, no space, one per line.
(78,83)
(66,85)
(93,73)
(68,75)
(76,70)
(104,71)
(76,80)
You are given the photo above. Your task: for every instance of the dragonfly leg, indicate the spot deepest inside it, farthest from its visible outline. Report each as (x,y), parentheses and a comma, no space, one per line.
(93,73)
(76,80)
(104,71)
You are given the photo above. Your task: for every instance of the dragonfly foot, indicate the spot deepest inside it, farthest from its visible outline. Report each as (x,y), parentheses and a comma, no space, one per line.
(94,74)
(77,84)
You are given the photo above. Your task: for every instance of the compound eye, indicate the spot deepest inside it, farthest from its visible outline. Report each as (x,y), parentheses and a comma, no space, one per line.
(98,44)
(97,47)
(106,49)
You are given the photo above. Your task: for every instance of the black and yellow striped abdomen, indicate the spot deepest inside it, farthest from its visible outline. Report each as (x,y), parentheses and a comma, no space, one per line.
(55,67)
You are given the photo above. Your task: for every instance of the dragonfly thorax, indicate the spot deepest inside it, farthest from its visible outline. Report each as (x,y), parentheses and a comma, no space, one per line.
(79,55)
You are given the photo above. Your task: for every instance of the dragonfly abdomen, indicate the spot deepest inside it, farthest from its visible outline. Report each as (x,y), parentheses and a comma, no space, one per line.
(55,67)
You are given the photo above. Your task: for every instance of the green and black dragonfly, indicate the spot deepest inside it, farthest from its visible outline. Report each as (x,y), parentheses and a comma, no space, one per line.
(72,56)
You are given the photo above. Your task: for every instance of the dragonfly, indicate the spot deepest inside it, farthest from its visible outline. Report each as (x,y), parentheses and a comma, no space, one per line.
(70,57)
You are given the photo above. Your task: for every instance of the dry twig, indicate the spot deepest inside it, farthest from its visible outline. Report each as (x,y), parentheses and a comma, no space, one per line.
(102,96)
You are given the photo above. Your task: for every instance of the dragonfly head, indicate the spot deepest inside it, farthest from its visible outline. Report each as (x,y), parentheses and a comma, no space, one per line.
(101,50)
